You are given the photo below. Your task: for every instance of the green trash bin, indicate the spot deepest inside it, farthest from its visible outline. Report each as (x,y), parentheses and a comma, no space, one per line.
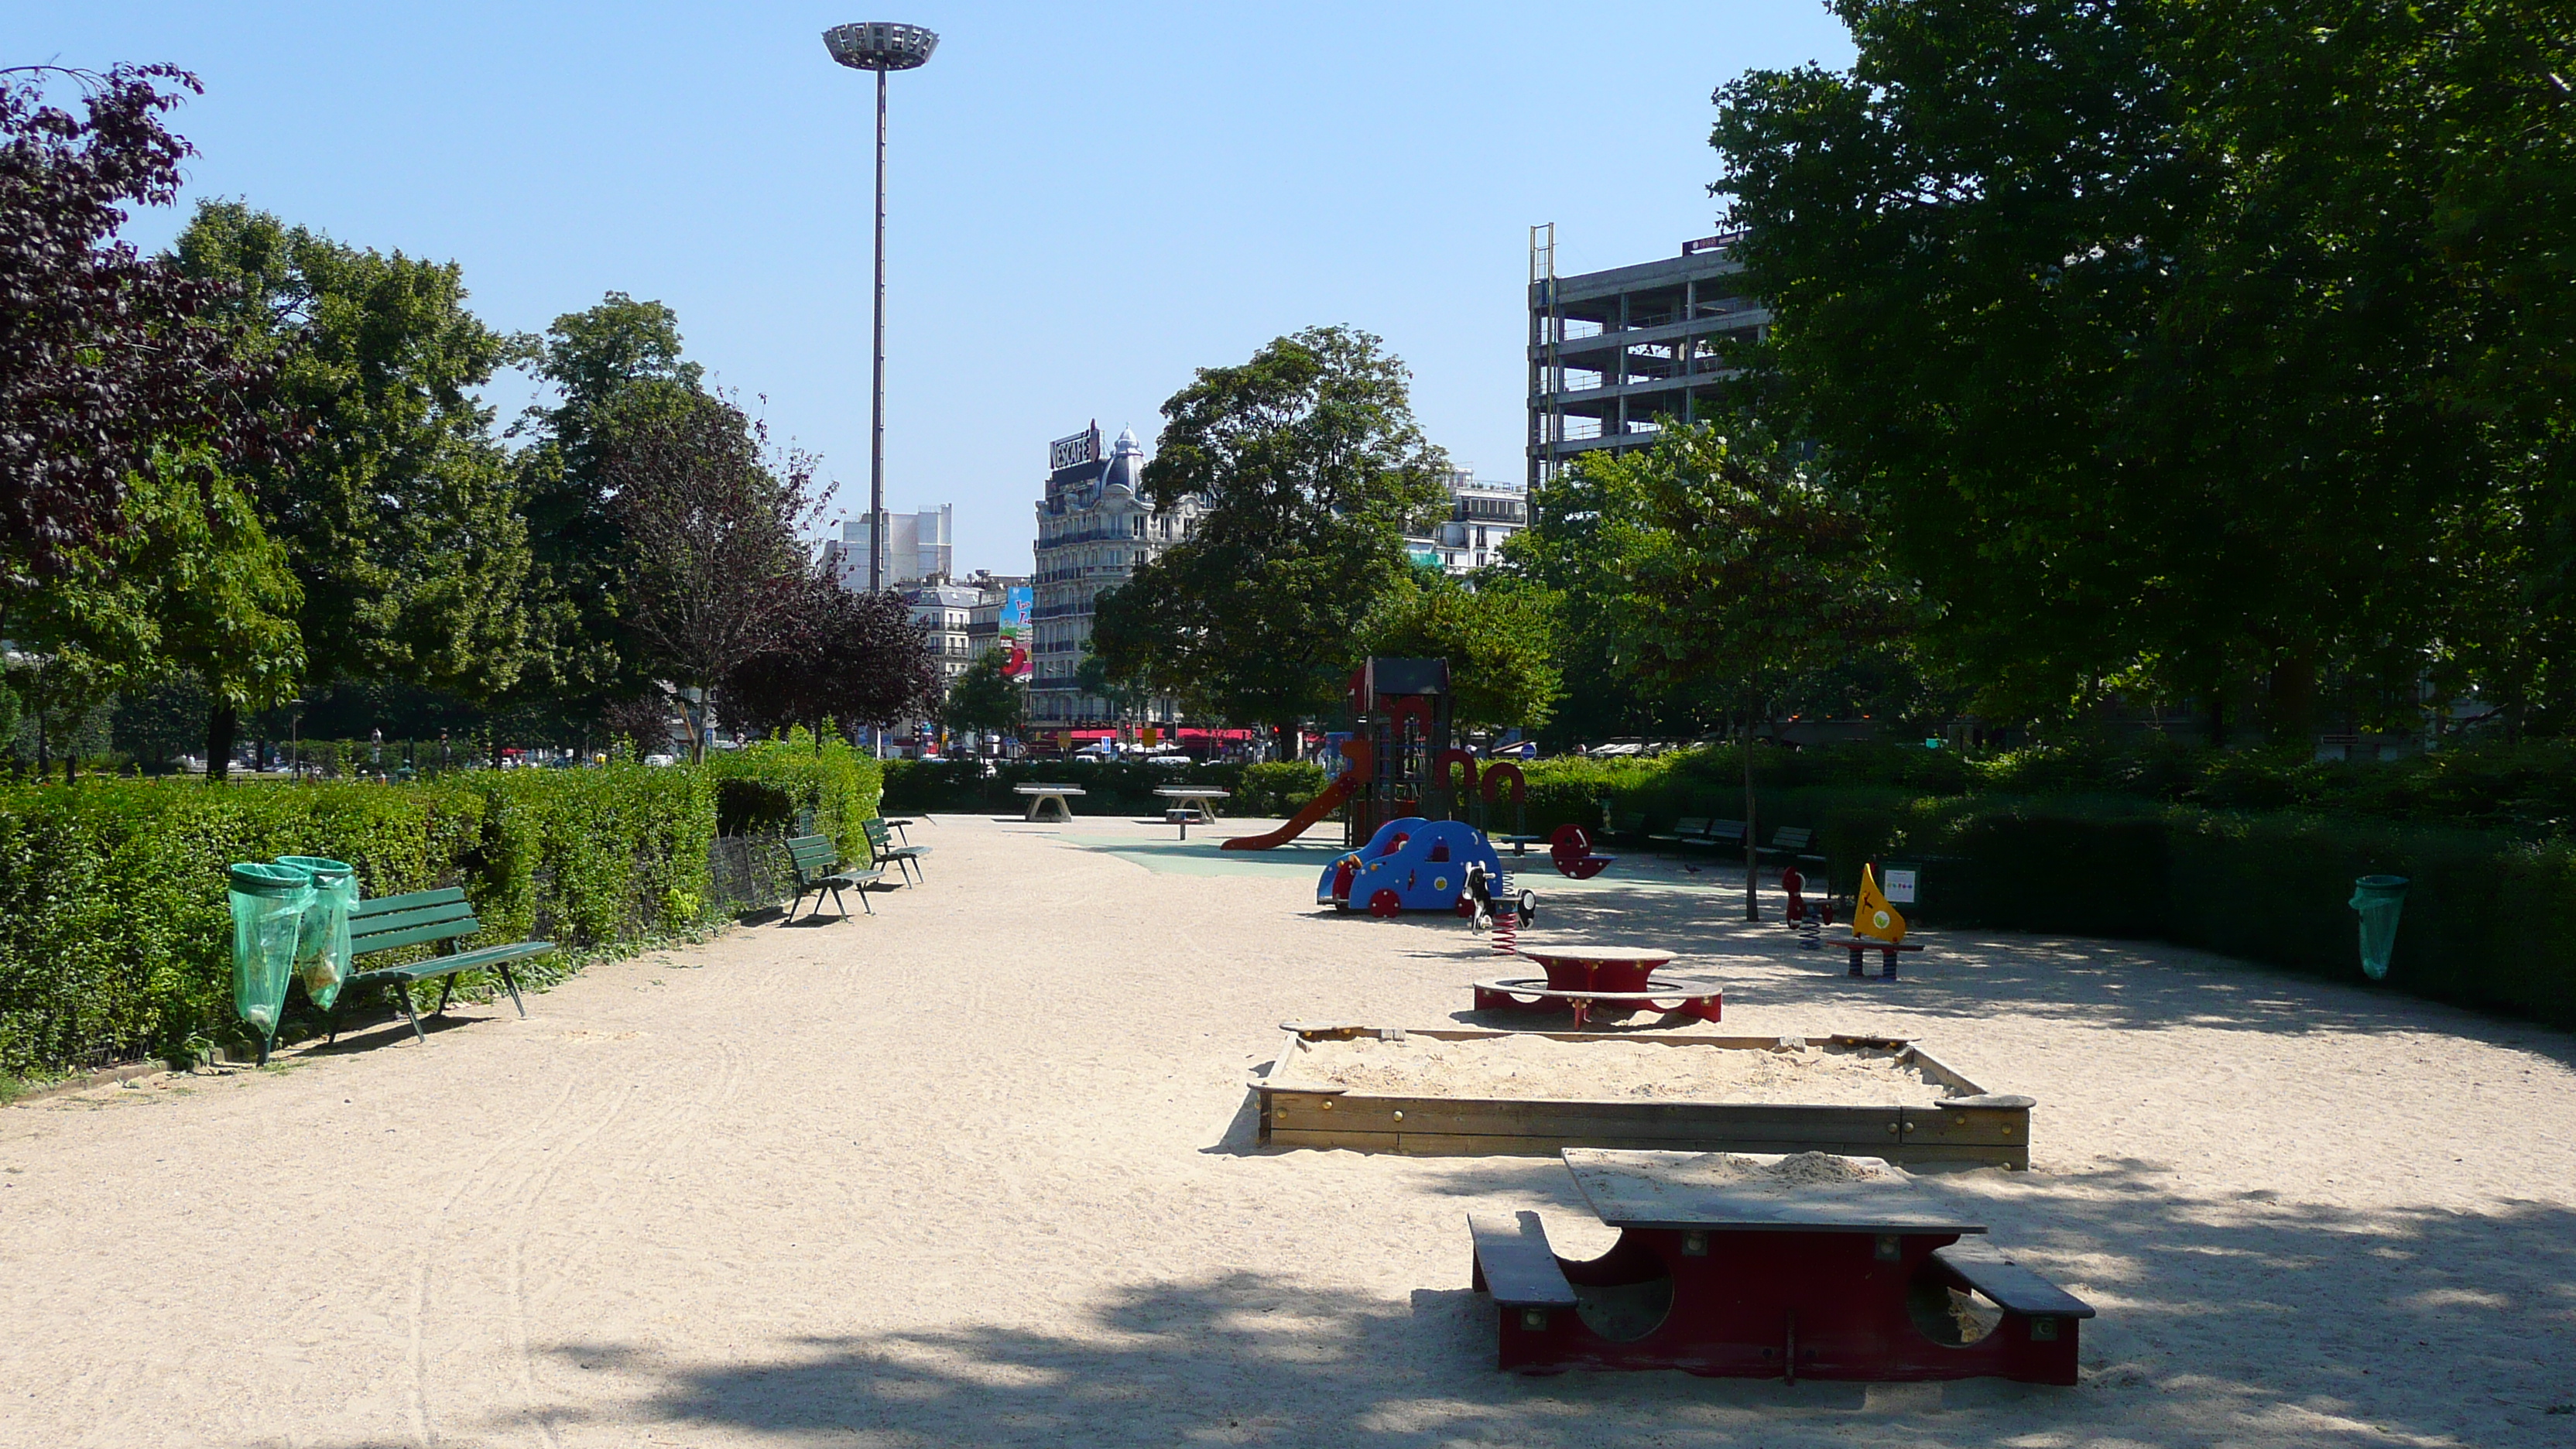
(2378,898)
(268,923)
(322,947)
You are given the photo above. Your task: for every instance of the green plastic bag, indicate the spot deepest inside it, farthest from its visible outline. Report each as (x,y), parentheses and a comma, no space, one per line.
(268,923)
(322,946)
(2379,899)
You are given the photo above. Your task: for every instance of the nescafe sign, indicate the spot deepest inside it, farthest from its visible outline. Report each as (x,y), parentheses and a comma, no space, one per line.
(1073,452)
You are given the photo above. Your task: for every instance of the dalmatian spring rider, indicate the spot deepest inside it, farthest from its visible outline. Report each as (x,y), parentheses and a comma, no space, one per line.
(1491,904)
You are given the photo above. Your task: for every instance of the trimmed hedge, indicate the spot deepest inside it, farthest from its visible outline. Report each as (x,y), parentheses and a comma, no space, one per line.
(2483,921)
(115,936)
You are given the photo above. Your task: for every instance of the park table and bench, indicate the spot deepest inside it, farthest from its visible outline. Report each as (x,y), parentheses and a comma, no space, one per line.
(1190,802)
(1040,796)
(1760,1277)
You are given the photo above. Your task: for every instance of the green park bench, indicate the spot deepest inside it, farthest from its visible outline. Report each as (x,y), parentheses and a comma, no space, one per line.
(1689,830)
(882,851)
(416,919)
(817,862)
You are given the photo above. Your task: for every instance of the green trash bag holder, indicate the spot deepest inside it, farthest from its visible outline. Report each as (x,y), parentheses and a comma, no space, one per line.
(268,905)
(2379,900)
(322,958)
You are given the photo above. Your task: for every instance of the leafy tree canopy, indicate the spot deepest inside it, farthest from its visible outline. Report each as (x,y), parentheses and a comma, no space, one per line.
(2169,340)
(401,516)
(1309,468)
(103,353)
(609,365)
(1498,634)
(984,699)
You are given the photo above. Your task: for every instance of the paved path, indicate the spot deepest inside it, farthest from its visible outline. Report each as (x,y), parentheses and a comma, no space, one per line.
(977,1171)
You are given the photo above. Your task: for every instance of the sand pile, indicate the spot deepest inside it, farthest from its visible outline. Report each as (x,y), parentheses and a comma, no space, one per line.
(1798,1169)
(1607,1070)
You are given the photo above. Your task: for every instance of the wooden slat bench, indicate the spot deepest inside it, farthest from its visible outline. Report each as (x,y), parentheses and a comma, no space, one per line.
(1791,842)
(817,862)
(1690,829)
(417,919)
(883,851)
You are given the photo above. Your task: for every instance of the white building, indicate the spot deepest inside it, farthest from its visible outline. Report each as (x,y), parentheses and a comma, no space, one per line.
(1095,526)
(1481,516)
(918,546)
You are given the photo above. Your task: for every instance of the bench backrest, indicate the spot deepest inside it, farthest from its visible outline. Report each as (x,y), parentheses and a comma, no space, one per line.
(1792,837)
(1727,830)
(1691,825)
(813,855)
(408,920)
(880,838)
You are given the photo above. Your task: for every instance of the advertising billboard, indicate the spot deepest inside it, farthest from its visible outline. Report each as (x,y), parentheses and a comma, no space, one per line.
(1016,604)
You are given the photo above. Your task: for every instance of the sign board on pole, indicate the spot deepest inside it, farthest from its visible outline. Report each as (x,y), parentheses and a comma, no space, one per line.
(1900,887)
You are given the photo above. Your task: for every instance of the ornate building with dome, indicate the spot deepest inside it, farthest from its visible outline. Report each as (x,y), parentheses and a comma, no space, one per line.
(1095,525)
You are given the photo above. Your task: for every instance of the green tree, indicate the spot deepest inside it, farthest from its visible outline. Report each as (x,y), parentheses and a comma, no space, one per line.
(400,517)
(1498,634)
(2170,341)
(715,571)
(1738,580)
(1309,469)
(983,698)
(223,602)
(610,365)
(1127,695)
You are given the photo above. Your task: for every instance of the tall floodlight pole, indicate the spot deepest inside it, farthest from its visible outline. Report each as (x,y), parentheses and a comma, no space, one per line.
(880,46)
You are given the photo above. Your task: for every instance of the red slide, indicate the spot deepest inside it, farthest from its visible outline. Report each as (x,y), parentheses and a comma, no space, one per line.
(1357,752)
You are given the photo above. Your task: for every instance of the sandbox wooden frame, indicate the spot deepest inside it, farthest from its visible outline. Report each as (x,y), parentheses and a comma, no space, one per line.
(1973,1127)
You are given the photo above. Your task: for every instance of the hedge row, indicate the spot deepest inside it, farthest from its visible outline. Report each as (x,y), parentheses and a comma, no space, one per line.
(114,923)
(2481,926)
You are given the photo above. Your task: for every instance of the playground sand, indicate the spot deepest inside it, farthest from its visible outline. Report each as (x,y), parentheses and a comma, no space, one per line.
(1538,1068)
(981,1170)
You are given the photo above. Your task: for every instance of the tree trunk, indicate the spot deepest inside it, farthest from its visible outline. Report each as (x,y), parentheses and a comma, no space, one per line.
(220,723)
(1752,849)
(2293,700)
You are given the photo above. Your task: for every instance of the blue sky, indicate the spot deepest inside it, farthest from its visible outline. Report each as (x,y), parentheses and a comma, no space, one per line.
(1086,202)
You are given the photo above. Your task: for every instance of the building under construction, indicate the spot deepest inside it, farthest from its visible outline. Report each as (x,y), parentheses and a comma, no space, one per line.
(1611,352)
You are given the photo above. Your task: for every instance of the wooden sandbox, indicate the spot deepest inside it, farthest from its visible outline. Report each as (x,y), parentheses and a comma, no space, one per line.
(1968,1126)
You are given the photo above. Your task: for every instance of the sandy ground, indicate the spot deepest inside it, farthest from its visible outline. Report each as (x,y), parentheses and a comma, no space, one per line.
(980,1171)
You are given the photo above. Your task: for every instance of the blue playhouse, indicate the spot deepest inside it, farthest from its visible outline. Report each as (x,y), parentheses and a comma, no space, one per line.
(1411,864)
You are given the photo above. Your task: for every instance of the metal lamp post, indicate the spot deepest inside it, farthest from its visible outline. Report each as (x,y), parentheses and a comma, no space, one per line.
(880,46)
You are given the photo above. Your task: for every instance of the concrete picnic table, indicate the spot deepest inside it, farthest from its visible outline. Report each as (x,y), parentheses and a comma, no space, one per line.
(1039,795)
(1190,797)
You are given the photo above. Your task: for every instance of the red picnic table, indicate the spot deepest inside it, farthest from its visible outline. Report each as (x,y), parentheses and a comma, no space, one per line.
(1588,978)
(1734,1276)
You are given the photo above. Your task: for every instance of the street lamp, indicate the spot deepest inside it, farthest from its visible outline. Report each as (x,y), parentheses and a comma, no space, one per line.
(880,46)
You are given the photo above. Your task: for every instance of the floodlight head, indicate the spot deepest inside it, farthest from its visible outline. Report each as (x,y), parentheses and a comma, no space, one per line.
(880,45)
